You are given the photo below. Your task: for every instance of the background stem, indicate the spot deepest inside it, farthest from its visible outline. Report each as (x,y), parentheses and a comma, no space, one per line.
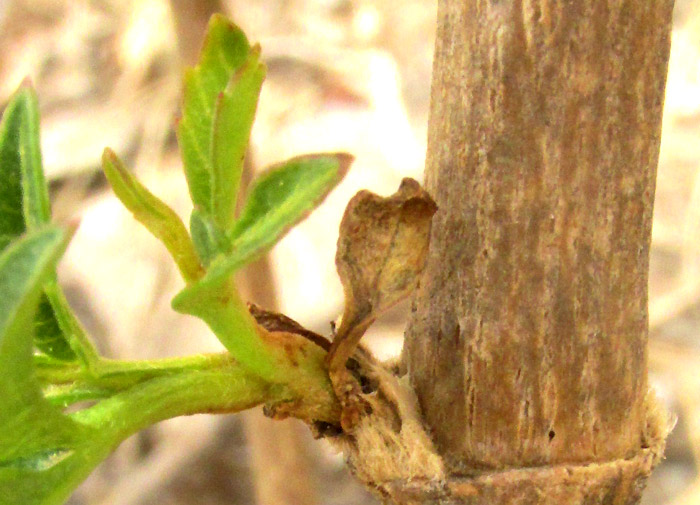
(281,465)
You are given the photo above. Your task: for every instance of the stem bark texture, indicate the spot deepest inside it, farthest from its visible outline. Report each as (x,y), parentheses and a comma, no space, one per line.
(527,344)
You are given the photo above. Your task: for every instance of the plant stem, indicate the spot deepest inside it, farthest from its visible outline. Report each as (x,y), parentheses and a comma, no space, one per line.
(191,391)
(303,384)
(63,381)
(216,301)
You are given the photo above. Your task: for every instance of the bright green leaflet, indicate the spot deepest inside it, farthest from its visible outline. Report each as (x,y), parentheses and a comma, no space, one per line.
(227,77)
(283,196)
(235,111)
(23,140)
(24,205)
(154,214)
(11,214)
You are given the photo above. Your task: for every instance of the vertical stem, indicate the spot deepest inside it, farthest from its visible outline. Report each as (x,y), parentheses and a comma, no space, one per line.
(528,343)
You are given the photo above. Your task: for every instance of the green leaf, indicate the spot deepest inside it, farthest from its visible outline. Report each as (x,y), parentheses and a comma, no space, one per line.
(235,111)
(73,333)
(280,198)
(220,99)
(20,159)
(24,265)
(11,212)
(162,221)
(24,200)
(37,442)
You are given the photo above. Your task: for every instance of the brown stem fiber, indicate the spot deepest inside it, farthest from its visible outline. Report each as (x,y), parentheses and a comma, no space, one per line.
(527,344)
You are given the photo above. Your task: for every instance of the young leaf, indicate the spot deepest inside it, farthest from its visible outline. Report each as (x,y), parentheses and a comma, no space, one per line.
(235,111)
(11,212)
(154,214)
(24,205)
(24,265)
(24,199)
(19,137)
(283,196)
(226,63)
(279,198)
(48,336)
(71,329)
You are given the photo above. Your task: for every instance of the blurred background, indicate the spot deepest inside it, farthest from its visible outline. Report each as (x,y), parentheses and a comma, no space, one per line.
(342,75)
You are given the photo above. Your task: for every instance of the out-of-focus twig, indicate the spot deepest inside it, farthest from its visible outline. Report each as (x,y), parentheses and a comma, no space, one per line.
(191,20)
(281,465)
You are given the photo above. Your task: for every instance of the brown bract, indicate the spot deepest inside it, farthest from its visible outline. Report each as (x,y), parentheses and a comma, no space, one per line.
(382,249)
(274,322)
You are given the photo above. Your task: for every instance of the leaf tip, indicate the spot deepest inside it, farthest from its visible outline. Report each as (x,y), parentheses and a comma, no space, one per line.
(217,21)
(344,162)
(112,166)
(217,17)
(220,26)
(108,156)
(72,228)
(24,93)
